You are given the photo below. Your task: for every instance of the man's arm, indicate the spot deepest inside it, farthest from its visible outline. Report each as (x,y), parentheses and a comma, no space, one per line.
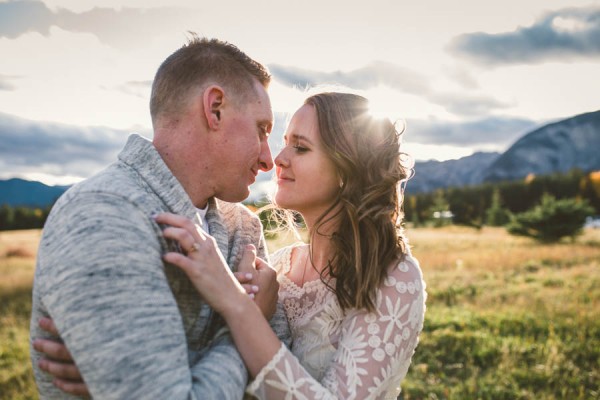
(102,280)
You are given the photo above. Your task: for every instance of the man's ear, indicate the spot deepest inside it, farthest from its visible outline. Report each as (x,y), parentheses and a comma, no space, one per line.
(212,101)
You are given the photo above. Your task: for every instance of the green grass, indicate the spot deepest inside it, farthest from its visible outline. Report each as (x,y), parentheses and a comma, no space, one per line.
(506,318)
(17,258)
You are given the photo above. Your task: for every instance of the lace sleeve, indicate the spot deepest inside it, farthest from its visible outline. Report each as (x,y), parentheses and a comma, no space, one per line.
(373,353)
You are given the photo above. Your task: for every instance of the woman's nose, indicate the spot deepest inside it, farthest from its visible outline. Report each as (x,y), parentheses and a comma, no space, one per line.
(281,160)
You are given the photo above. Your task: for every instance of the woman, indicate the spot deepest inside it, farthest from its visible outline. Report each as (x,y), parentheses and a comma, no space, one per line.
(353,295)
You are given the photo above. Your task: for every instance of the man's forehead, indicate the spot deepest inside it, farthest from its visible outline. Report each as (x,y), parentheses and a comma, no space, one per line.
(263,104)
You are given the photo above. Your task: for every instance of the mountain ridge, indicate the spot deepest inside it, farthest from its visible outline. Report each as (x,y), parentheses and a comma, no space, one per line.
(555,147)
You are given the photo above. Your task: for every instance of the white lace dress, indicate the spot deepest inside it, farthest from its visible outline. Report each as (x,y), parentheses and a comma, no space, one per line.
(351,355)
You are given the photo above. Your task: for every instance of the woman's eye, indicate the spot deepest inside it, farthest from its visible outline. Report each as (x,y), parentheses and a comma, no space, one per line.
(300,149)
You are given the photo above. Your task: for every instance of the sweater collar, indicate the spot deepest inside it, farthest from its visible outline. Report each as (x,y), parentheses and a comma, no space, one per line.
(140,154)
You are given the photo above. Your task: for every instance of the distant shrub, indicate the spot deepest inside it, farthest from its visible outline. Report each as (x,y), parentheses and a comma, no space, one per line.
(439,212)
(551,220)
(18,252)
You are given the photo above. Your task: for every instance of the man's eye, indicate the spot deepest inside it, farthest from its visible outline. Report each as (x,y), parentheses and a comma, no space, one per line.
(263,132)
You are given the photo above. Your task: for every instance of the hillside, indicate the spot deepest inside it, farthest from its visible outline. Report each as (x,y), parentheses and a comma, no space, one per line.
(431,175)
(557,147)
(19,192)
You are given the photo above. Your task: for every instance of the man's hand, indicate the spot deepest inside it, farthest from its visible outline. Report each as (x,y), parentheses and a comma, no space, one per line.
(58,362)
(265,278)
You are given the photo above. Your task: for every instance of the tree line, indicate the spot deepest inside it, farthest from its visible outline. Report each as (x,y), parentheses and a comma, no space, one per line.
(572,195)
(471,205)
(13,218)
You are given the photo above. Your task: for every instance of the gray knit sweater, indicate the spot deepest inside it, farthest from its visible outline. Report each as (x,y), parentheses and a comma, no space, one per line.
(136,326)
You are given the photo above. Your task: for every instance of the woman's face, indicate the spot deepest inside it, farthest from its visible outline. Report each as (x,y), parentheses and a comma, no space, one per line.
(306,178)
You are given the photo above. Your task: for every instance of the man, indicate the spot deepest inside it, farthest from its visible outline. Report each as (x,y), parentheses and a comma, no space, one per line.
(135,326)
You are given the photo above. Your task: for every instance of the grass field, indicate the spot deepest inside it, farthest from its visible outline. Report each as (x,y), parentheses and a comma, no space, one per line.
(506,318)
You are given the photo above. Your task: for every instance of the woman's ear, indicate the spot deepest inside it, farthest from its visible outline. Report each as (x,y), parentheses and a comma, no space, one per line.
(212,102)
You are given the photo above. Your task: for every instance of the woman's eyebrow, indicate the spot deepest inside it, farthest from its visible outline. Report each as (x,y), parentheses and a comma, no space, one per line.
(298,137)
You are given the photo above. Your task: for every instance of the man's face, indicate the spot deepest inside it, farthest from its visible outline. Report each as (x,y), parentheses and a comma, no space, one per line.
(244,147)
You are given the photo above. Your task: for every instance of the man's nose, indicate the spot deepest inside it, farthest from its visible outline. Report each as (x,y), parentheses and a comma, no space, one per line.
(265,160)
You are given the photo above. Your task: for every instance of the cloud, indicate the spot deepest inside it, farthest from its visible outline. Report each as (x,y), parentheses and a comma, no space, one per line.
(468,105)
(58,149)
(120,28)
(404,80)
(561,35)
(5,83)
(136,88)
(372,75)
(497,132)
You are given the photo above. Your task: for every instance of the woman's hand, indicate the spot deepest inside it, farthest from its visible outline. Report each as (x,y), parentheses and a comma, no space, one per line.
(203,263)
(58,362)
(265,278)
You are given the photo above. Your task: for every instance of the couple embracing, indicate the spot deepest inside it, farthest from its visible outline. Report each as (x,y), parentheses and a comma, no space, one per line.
(152,281)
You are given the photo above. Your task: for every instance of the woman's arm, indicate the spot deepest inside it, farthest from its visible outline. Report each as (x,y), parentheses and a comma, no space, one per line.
(374,350)
(252,334)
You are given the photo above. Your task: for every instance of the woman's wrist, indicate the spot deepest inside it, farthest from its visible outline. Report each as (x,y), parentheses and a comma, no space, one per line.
(237,307)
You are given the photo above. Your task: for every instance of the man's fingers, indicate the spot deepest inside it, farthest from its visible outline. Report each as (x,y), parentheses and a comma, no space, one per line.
(52,349)
(48,325)
(75,388)
(60,370)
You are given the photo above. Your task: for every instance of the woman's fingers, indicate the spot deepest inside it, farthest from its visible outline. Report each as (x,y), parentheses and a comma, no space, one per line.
(179,222)
(248,260)
(183,262)
(250,289)
(52,349)
(185,239)
(75,388)
(175,220)
(243,277)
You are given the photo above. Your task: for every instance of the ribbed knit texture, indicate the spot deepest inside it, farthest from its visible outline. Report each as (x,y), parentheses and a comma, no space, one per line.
(135,326)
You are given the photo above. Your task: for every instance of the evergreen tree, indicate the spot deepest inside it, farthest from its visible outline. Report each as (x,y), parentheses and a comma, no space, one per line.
(7,217)
(551,220)
(496,215)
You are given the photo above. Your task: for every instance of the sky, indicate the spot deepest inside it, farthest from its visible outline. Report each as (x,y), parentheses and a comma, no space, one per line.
(463,76)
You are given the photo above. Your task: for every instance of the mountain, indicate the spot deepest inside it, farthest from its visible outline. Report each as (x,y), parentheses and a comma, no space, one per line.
(431,175)
(19,192)
(557,147)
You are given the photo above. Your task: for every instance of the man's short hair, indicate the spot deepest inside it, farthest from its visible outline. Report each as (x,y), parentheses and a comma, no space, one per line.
(203,61)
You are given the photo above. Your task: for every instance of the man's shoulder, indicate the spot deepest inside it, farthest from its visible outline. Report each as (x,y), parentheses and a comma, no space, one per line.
(116,181)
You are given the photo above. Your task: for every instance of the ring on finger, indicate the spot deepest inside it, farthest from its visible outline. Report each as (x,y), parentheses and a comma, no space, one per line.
(195,247)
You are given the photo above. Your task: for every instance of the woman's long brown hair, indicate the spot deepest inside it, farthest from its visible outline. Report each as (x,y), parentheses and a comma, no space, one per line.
(366,153)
